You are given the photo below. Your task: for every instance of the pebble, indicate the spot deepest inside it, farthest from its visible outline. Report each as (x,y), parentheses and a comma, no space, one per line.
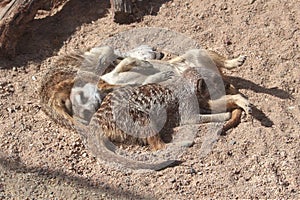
(33,78)
(200,173)
(232,142)
(10,110)
(103,195)
(192,171)
(172,180)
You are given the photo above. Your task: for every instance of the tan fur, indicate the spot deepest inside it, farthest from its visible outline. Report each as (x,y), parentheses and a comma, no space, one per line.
(55,99)
(55,92)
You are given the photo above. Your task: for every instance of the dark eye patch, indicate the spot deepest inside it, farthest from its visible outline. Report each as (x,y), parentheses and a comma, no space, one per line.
(87,115)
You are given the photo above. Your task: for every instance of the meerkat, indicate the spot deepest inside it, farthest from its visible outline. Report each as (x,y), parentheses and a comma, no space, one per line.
(136,68)
(125,114)
(134,71)
(57,103)
(143,96)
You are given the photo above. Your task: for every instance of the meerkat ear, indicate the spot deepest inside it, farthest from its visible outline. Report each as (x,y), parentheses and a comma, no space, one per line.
(68,105)
(201,86)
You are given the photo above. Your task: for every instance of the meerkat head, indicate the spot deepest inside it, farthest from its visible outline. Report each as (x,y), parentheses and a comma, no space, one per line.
(206,83)
(85,102)
(195,79)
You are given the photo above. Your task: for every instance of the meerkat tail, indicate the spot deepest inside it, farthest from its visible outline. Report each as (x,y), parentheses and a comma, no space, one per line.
(235,119)
(103,149)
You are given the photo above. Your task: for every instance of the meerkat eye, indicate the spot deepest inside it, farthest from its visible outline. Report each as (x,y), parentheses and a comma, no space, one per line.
(87,114)
(160,56)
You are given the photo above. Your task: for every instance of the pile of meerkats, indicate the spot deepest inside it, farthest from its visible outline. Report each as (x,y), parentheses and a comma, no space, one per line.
(140,97)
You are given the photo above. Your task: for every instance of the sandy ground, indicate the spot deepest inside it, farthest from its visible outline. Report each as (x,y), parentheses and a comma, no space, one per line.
(40,160)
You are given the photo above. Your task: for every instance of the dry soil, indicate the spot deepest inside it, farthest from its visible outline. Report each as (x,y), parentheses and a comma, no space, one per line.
(259,159)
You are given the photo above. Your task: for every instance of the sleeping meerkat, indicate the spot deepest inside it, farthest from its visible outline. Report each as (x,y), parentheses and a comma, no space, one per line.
(133,114)
(143,99)
(135,71)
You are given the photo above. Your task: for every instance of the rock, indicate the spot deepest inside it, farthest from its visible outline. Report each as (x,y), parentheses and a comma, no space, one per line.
(172,180)
(232,142)
(192,171)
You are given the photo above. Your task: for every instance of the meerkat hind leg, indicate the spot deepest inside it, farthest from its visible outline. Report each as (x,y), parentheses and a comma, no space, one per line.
(186,133)
(217,117)
(231,102)
(222,62)
(206,118)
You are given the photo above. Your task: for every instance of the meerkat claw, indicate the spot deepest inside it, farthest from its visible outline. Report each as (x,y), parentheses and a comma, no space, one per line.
(241,60)
(243,103)
(236,62)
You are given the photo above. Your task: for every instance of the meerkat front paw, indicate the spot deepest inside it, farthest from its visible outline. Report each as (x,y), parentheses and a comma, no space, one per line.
(159,77)
(166,75)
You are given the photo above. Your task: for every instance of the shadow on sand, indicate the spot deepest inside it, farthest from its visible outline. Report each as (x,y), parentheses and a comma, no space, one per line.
(259,115)
(15,164)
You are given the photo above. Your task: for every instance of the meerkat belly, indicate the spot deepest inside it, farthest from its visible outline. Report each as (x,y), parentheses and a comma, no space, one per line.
(126,78)
(132,114)
(134,76)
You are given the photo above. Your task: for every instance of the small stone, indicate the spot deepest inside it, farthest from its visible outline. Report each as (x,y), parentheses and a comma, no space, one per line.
(283,154)
(200,173)
(172,180)
(228,42)
(186,143)
(33,78)
(10,110)
(192,171)
(292,89)
(103,195)
(232,142)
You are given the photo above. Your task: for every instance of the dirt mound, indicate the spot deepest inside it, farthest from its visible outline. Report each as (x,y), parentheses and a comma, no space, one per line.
(259,159)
